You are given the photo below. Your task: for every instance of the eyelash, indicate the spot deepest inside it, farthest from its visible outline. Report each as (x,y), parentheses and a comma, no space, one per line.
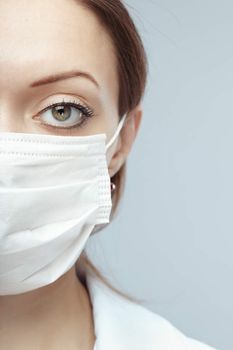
(87,113)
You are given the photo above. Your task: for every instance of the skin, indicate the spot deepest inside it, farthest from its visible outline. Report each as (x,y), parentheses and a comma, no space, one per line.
(37,39)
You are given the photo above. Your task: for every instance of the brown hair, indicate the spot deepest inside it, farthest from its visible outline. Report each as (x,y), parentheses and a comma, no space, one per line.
(132,72)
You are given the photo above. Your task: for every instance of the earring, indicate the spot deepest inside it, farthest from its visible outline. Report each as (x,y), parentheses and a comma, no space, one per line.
(113,187)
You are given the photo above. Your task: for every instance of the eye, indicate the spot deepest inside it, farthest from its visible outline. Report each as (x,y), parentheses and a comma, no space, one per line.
(66,115)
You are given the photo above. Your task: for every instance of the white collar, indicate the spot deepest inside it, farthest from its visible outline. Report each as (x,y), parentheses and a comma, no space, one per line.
(124,325)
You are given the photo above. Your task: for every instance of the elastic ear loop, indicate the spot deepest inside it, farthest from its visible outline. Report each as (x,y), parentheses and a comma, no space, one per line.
(120,125)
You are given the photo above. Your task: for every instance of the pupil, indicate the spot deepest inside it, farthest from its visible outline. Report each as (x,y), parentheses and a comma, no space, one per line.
(61,113)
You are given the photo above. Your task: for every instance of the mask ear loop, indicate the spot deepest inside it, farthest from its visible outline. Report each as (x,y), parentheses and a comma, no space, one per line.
(120,126)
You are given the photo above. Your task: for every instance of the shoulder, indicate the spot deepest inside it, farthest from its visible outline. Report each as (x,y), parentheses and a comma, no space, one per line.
(122,324)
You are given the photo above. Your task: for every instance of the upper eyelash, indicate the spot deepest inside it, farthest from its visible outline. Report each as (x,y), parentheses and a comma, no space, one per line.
(88,112)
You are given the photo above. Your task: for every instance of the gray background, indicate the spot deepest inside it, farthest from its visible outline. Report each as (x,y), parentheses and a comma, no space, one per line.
(171,243)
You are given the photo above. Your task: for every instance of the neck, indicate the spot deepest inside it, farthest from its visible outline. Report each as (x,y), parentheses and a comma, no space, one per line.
(48,316)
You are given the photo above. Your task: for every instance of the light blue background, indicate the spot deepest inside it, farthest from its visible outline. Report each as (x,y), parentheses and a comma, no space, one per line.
(172,241)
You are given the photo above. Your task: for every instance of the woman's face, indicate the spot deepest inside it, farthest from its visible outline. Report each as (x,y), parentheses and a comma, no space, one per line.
(39,39)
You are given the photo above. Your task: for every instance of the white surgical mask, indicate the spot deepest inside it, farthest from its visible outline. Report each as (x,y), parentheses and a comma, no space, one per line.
(53,191)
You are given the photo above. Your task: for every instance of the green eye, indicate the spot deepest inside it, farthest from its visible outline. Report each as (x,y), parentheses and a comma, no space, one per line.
(67,114)
(61,113)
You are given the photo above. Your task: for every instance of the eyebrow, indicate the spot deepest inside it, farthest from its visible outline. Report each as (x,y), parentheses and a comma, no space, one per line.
(62,76)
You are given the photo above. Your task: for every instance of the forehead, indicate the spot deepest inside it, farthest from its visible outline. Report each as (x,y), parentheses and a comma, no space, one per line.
(39,37)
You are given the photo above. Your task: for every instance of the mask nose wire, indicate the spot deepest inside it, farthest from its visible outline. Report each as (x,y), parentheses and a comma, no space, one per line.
(120,126)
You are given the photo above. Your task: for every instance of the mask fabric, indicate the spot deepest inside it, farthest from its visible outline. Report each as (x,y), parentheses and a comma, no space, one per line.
(53,191)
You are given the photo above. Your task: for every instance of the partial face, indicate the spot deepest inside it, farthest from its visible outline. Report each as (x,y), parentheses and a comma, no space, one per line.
(43,38)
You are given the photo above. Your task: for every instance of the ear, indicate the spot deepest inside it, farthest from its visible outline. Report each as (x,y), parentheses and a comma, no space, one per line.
(126,139)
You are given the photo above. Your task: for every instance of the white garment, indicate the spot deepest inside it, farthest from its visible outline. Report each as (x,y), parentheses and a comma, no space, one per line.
(124,325)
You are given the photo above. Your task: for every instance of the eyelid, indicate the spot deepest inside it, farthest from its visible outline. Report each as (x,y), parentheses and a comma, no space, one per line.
(62,97)
(73,103)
